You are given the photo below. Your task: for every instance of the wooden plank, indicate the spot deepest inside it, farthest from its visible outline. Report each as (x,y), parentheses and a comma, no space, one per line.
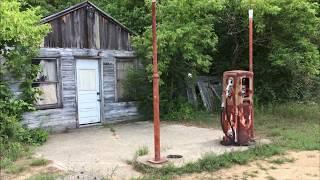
(121,111)
(109,36)
(96,31)
(63,31)
(101,32)
(77,36)
(83,28)
(90,24)
(68,31)
(119,37)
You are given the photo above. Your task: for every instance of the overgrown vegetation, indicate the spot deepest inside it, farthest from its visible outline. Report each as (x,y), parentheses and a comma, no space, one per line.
(215,39)
(45,176)
(20,37)
(39,162)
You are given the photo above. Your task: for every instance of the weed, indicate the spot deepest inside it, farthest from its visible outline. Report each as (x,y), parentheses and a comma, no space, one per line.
(252,175)
(39,162)
(14,151)
(110,126)
(272,167)
(111,174)
(270,178)
(143,150)
(15,168)
(45,176)
(281,160)
(261,167)
(5,162)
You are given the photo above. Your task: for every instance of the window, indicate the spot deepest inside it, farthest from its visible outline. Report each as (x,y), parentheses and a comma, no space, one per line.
(123,66)
(47,82)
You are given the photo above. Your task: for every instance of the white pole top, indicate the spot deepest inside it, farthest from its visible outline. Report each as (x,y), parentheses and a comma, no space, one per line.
(250,13)
(153,0)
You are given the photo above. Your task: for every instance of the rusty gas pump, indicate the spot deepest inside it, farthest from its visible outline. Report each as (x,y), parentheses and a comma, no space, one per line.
(237,101)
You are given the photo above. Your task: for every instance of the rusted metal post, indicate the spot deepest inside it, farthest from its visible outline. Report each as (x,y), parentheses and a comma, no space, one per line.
(250,40)
(251,65)
(156,112)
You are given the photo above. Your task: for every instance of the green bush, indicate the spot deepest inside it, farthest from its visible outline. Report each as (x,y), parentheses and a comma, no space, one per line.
(19,29)
(180,110)
(33,136)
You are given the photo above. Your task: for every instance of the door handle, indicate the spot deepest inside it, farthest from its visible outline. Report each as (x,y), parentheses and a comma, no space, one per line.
(98,93)
(99,100)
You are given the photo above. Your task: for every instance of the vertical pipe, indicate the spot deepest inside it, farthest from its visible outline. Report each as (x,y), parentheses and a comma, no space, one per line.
(251,66)
(156,116)
(250,40)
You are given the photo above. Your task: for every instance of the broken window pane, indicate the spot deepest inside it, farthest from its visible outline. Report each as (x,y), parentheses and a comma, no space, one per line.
(48,94)
(47,82)
(48,71)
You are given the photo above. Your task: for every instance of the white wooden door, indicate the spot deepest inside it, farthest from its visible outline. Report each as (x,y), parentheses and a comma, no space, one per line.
(88,89)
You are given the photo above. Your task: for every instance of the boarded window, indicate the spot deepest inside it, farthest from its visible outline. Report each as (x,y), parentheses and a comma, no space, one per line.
(47,82)
(123,66)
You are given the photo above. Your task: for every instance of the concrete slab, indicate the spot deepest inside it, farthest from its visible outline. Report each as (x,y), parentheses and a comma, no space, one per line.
(100,152)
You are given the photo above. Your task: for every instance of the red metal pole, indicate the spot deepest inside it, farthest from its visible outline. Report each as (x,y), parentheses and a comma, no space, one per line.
(156,112)
(251,65)
(250,40)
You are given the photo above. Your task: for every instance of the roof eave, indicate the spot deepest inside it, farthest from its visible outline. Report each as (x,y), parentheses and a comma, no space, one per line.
(81,5)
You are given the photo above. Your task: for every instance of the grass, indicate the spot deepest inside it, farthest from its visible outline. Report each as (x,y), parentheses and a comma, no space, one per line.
(10,153)
(17,157)
(290,126)
(22,164)
(143,150)
(45,176)
(281,160)
(16,168)
(211,162)
(39,162)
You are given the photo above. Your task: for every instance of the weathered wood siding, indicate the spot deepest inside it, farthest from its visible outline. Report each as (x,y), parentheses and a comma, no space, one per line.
(66,117)
(87,27)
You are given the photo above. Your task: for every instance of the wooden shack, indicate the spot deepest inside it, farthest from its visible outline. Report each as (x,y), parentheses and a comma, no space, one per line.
(84,62)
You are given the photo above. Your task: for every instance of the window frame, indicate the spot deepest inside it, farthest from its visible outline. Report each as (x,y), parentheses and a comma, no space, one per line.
(58,83)
(117,60)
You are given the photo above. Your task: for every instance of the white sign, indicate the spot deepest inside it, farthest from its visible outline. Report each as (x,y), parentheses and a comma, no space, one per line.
(251,13)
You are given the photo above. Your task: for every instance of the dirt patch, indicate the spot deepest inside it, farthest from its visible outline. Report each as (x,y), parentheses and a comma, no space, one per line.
(27,171)
(292,165)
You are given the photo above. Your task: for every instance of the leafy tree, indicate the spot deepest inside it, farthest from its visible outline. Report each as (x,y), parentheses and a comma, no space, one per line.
(20,37)
(186,42)
(286,46)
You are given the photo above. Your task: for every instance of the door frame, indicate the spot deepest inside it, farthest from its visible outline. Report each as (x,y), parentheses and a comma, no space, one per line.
(100,71)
